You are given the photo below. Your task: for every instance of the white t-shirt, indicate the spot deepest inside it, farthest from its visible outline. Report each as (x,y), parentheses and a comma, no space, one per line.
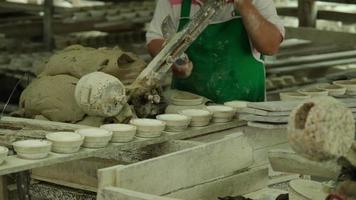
(173,8)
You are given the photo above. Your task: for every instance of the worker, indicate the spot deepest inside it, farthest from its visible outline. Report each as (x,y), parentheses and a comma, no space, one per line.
(226,61)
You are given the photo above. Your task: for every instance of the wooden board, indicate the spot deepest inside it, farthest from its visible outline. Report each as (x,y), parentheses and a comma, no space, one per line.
(266,125)
(263,112)
(116,193)
(270,119)
(14,164)
(188,167)
(288,161)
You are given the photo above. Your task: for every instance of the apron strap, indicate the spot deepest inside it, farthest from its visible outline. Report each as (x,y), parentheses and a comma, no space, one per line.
(184,13)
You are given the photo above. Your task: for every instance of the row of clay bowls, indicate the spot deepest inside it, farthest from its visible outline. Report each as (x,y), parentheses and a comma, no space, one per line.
(337,89)
(71,142)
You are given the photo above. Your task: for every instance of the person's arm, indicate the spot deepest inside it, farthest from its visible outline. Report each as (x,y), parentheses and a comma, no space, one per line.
(265,36)
(155,46)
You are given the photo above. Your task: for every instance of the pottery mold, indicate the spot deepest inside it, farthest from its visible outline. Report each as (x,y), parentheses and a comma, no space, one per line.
(121,132)
(350,86)
(95,137)
(181,98)
(293,96)
(65,142)
(301,189)
(32,149)
(314,92)
(334,90)
(199,117)
(148,128)
(175,122)
(221,114)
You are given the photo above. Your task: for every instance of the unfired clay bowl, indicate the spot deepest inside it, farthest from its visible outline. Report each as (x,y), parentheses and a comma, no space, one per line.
(65,142)
(32,149)
(95,137)
(237,105)
(221,114)
(200,118)
(3,154)
(314,92)
(148,128)
(350,86)
(181,98)
(121,132)
(175,122)
(300,189)
(334,90)
(293,96)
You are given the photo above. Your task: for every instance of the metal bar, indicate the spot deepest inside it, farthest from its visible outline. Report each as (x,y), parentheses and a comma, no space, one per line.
(48,24)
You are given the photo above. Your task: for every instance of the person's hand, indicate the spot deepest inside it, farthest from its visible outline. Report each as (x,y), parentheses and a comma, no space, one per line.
(182,67)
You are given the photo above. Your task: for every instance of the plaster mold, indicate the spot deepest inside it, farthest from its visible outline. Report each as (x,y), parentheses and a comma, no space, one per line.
(65,142)
(200,118)
(334,90)
(293,96)
(222,114)
(148,128)
(95,137)
(306,190)
(32,149)
(321,128)
(175,122)
(314,92)
(121,132)
(350,86)
(100,94)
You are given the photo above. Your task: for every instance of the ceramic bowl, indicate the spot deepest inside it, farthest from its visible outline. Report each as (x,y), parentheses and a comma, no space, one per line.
(175,122)
(95,137)
(314,92)
(65,142)
(237,105)
(293,96)
(148,128)
(200,118)
(350,86)
(334,90)
(222,114)
(32,149)
(301,189)
(121,132)
(3,154)
(181,98)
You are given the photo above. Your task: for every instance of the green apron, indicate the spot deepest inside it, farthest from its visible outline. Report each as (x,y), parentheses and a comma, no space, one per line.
(224,66)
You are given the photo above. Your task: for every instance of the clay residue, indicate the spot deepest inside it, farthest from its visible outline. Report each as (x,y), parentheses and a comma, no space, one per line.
(321,128)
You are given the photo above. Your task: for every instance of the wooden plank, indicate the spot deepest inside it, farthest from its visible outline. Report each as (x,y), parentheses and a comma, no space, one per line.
(4,192)
(266,125)
(188,167)
(321,36)
(239,183)
(288,161)
(307,13)
(254,111)
(115,193)
(14,164)
(38,124)
(266,119)
(82,174)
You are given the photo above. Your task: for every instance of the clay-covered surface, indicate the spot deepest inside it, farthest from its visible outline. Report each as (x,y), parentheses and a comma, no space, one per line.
(321,128)
(53,98)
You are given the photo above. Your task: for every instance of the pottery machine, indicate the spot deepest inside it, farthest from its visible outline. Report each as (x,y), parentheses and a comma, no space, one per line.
(145,92)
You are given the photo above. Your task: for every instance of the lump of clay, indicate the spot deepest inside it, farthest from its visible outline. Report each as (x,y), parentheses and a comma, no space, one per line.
(321,128)
(78,61)
(100,94)
(53,98)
